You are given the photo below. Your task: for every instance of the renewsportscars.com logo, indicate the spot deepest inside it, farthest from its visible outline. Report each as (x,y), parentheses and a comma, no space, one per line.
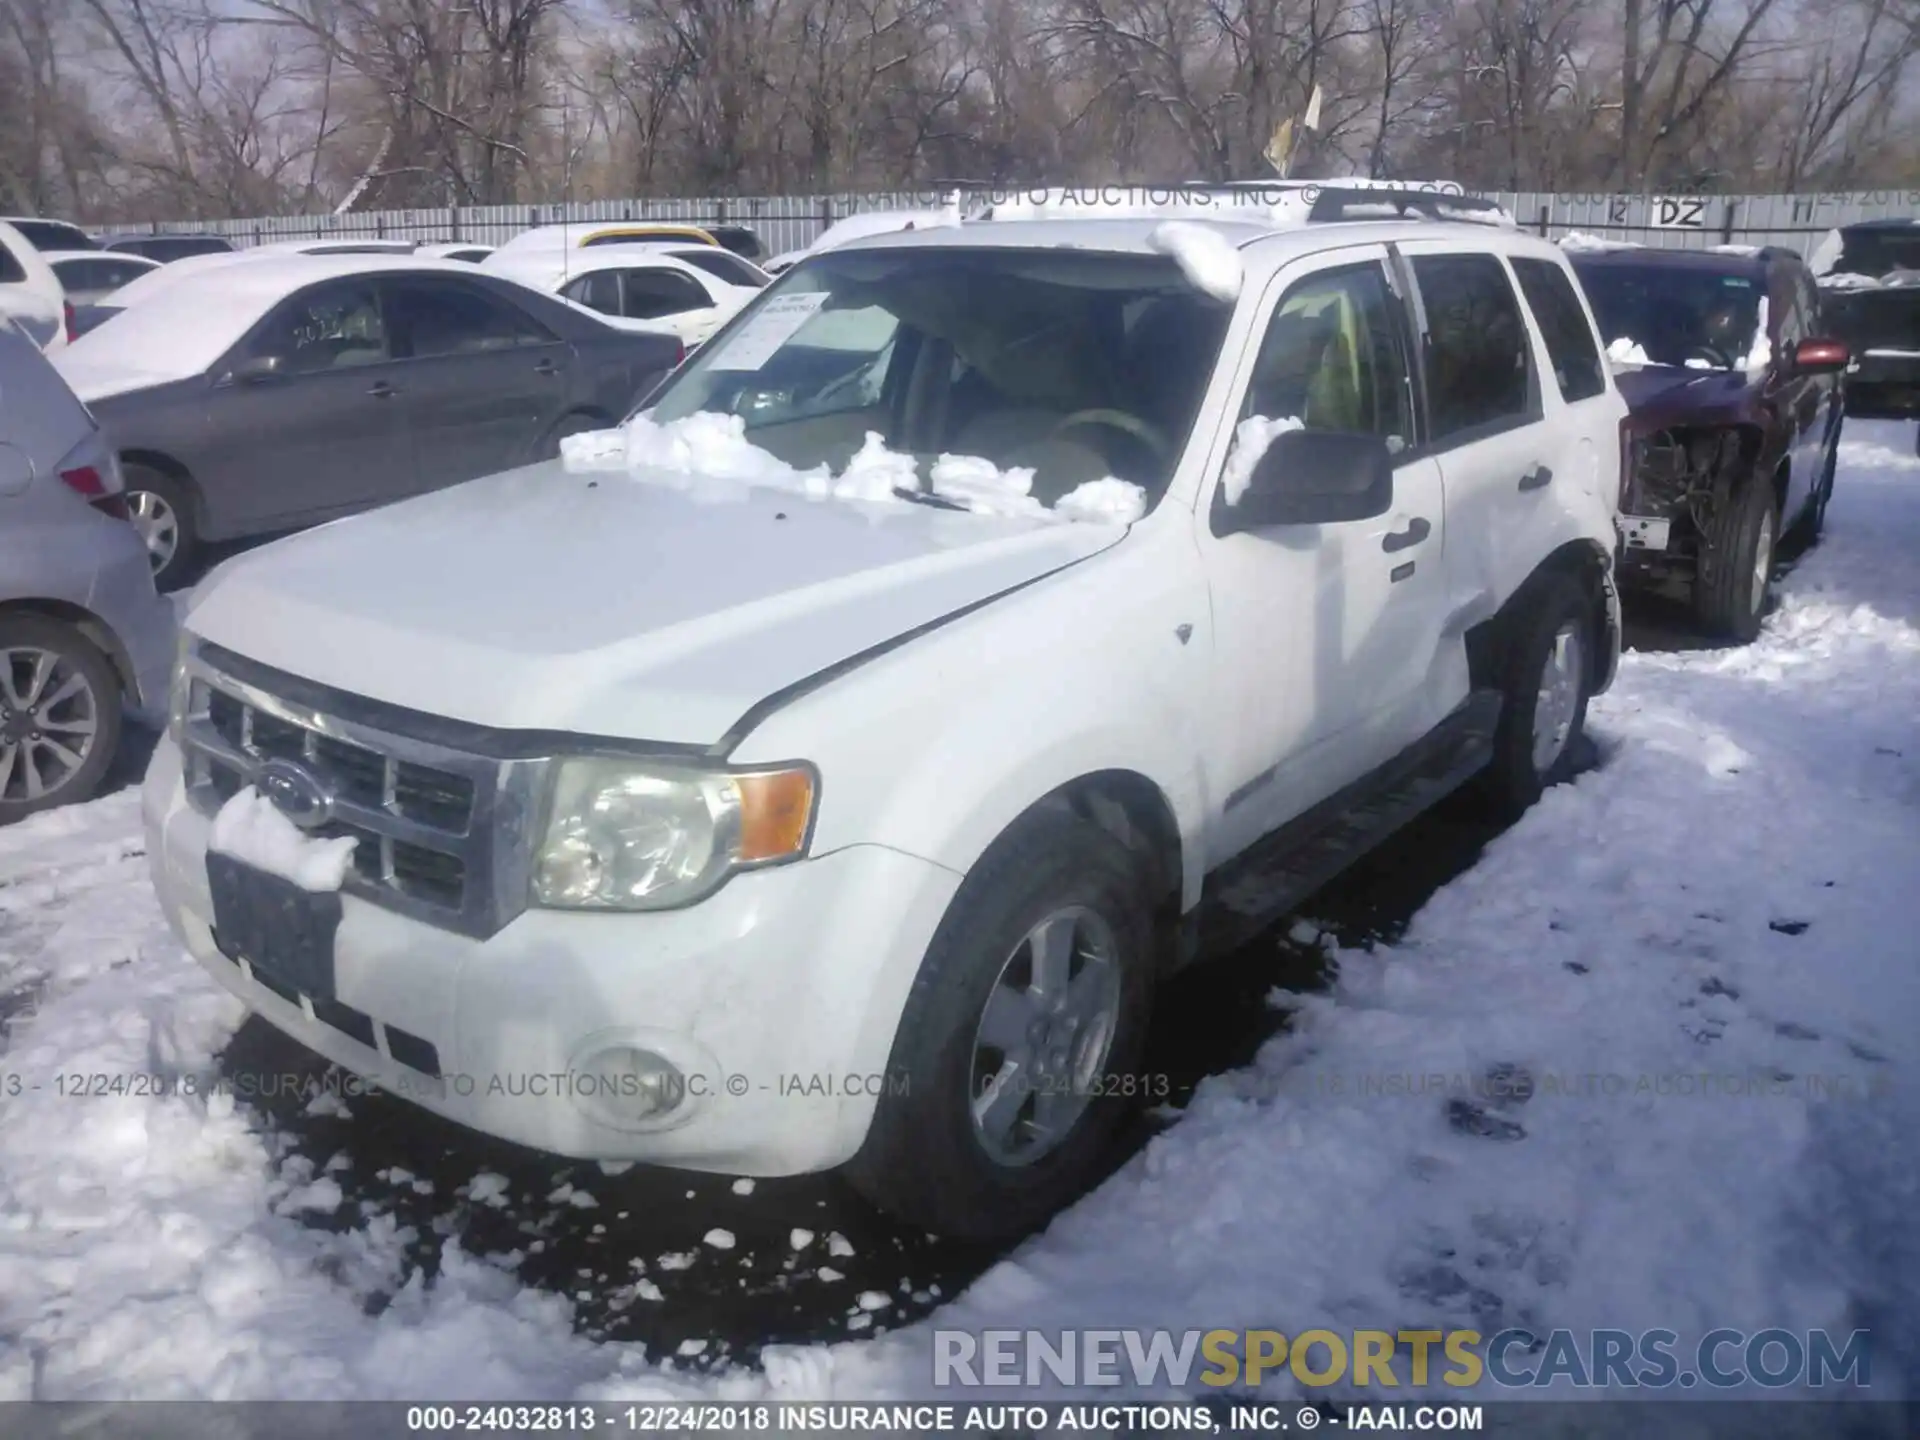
(1386,1359)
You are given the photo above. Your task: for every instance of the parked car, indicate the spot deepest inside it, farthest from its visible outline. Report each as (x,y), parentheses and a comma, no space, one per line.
(859,227)
(88,276)
(264,395)
(1736,389)
(634,282)
(454,250)
(1869,279)
(333,245)
(30,293)
(738,239)
(50,234)
(168,248)
(583,234)
(81,630)
(681,758)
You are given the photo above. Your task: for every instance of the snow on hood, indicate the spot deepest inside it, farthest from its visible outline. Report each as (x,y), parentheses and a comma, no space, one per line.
(708,455)
(640,610)
(1209,260)
(250,828)
(1626,353)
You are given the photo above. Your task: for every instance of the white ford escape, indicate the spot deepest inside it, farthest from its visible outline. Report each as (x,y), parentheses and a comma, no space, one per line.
(823,769)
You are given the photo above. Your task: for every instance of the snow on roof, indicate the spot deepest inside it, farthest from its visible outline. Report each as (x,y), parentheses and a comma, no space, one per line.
(574,234)
(552,269)
(181,330)
(1579,241)
(61,257)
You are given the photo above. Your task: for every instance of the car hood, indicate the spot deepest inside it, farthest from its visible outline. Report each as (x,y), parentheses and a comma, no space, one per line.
(1668,395)
(97,375)
(641,606)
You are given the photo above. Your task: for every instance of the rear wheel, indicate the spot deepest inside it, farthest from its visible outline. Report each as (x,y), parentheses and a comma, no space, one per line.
(1736,564)
(1014,1059)
(162,511)
(1548,680)
(59,716)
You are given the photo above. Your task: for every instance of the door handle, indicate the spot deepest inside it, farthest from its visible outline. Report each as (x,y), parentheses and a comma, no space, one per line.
(381,390)
(1538,478)
(545,367)
(1416,531)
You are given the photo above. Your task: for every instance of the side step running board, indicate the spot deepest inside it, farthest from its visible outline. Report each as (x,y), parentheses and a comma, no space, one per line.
(1252,891)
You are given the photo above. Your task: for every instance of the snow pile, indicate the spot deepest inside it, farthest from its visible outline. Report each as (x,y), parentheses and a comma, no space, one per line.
(251,829)
(1654,1062)
(1748,250)
(1626,353)
(1760,353)
(708,449)
(1251,437)
(1209,260)
(1580,240)
(1849,280)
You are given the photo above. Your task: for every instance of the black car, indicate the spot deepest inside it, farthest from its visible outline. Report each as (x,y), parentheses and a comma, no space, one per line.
(1869,276)
(259,397)
(51,234)
(1735,389)
(739,239)
(168,248)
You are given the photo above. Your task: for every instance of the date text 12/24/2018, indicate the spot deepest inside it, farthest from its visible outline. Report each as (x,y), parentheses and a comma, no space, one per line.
(844,1418)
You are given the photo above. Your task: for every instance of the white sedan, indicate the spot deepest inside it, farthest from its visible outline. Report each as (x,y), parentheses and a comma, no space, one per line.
(633,282)
(89,275)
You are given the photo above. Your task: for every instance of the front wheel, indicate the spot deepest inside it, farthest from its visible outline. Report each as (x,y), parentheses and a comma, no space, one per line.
(59,716)
(1019,1044)
(161,509)
(1736,564)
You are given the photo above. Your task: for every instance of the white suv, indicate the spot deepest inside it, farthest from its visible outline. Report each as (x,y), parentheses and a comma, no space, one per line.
(823,768)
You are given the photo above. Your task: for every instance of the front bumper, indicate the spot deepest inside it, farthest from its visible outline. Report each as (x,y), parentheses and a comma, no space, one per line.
(777,999)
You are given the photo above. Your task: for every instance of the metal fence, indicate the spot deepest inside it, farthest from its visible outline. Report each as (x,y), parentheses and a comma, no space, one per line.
(790,222)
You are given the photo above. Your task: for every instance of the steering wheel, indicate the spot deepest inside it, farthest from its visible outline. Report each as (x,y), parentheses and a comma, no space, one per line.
(1149,436)
(1714,355)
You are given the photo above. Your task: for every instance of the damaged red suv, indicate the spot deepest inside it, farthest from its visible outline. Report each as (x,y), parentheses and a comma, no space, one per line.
(1736,396)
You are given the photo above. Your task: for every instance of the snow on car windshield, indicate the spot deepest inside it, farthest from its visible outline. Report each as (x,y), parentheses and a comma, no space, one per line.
(1068,365)
(1687,316)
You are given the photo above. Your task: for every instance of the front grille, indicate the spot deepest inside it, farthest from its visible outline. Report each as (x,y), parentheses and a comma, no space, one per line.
(434,838)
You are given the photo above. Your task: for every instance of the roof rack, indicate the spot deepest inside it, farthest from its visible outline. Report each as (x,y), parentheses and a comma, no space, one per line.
(1276,203)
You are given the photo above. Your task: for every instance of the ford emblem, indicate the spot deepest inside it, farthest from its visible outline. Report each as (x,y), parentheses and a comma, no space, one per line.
(296,793)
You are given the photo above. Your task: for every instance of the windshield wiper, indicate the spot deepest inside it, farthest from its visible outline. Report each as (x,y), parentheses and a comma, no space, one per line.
(928,497)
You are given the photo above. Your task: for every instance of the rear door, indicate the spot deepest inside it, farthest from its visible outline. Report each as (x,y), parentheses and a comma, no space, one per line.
(485,382)
(1582,415)
(325,433)
(1486,426)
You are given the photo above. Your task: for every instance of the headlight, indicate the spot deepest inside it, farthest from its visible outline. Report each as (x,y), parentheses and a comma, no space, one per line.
(643,835)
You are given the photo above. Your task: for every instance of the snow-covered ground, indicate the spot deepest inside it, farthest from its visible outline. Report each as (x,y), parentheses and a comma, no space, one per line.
(1702,956)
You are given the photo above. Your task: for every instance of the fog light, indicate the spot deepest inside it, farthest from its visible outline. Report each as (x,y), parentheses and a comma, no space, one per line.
(624,1086)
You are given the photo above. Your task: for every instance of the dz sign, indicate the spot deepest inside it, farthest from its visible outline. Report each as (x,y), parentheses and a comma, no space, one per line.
(1677,212)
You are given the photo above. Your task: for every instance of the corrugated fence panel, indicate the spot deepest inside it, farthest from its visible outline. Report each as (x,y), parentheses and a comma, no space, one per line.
(789,222)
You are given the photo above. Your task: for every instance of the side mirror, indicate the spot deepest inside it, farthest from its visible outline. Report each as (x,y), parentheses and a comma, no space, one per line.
(1818,357)
(258,370)
(1311,477)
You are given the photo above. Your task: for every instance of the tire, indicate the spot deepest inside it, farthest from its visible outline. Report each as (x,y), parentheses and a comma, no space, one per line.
(1813,522)
(53,680)
(163,513)
(1736,561)
(577,422)
(1549,664)
(926,1160)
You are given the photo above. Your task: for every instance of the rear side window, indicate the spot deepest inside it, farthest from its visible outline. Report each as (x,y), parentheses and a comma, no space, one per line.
(10,271)
(599,290)
(1479,364)
(1563,325)
(656,294)
(454,319)
(723,265)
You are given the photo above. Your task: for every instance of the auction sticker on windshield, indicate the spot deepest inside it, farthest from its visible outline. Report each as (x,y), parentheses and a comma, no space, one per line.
(770,328)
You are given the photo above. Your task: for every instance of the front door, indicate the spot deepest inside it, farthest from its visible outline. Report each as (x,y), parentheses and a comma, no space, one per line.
(323,430)
(1326,635)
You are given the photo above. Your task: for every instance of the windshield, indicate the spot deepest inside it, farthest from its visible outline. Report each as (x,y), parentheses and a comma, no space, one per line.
(1677,315)
(54,235)
(1076,365)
